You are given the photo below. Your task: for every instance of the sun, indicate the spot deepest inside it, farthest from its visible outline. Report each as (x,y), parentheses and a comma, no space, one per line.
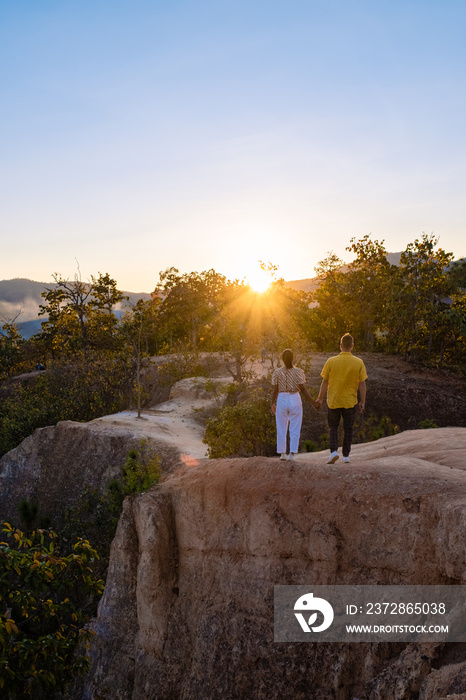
(259,280)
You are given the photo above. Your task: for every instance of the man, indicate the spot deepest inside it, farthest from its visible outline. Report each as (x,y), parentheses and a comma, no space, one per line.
(342,376)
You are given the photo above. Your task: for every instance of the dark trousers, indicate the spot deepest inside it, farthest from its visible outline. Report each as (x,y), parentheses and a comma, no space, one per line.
(334,415)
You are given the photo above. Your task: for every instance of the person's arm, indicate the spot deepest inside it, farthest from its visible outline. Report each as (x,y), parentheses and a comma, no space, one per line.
(274,398)
(362,396)
(322,391)
(305,392)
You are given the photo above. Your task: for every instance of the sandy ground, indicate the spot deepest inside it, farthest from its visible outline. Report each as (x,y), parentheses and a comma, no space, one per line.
(171,421)
(174,420)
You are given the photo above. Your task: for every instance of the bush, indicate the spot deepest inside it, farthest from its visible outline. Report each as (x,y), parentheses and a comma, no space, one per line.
(247,428)
(140,471)
(46,598)
(80,391)
(427,423)
(374,428)
(96,514)
(316,446)
(27,512)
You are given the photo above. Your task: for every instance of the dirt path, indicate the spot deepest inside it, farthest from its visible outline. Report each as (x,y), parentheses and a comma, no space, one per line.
(171,421)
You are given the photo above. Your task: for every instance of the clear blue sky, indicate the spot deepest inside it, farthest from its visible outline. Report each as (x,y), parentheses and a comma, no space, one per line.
(136,135)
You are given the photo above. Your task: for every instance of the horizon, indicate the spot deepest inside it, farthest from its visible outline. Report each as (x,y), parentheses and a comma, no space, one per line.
(143,135)
(141,291)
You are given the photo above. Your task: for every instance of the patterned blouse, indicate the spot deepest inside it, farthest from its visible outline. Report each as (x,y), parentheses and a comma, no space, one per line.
(288,380)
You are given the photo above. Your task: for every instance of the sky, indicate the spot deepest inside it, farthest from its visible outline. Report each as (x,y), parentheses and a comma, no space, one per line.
(138,135)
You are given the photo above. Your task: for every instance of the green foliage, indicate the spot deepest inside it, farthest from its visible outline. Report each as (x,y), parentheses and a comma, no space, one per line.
(427,423)
(181,365)
(10,347)
(96,514)
(80,391)
(141,470)
(189,303)
(46,597)
(247,428)
(79,315)
(416,308)
(373,428)
(316,445)
(457,274)
(419,316)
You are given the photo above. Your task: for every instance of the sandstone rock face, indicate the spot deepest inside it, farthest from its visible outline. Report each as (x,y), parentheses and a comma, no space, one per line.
(188,606)
(52,466)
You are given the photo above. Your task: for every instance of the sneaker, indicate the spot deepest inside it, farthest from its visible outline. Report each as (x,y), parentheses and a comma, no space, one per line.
(283,455)
(346,460)
(291,457)
(333,457)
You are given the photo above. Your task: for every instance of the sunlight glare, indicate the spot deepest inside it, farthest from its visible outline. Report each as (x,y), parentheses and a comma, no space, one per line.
(259,280)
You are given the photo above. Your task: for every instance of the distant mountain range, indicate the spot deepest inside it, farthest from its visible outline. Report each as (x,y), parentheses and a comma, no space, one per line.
(22,297)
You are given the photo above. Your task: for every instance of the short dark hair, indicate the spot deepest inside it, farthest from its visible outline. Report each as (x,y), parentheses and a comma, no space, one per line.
(347,341)
(287,357)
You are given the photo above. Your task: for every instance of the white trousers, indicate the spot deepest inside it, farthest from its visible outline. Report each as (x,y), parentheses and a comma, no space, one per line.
(289,410)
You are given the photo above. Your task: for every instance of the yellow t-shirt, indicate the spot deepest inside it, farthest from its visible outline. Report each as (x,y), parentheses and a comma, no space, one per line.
(343,372)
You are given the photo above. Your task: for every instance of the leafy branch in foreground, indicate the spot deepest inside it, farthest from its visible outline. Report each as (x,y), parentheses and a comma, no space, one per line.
(46,598)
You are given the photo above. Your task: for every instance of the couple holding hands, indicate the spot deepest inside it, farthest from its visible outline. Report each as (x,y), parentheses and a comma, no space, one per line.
(342,376)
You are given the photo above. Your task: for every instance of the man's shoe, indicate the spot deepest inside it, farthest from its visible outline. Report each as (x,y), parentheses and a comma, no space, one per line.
(346,460)
(291,457)
(283,455)
(333,457)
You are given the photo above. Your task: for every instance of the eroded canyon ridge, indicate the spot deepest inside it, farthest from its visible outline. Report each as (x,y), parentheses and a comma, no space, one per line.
(188,606)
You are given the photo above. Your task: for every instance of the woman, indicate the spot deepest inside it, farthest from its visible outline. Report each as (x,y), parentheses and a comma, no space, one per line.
(288,385)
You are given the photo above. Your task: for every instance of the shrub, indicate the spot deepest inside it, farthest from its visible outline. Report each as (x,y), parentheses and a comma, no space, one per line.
(427,423)
(317,445)
(373,428)
(46,598)
(96,514)
(80,391)
(247,428)
(141,470)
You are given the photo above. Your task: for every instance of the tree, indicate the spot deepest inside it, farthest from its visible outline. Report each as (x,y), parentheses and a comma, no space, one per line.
(236,326)
(80,314)
(105,294)
(81,390)
(46,597)
(420,299)
(457,274)
(10,344)
(67,308)
(367,290)
(327,317)
(188,305)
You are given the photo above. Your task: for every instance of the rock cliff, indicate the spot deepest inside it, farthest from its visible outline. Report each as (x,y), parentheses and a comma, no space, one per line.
(53,465)
(188,605)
